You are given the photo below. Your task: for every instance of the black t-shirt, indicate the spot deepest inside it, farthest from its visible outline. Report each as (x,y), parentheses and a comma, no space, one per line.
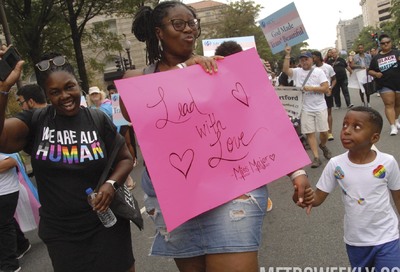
(68,155)
(388,65)
(339,66)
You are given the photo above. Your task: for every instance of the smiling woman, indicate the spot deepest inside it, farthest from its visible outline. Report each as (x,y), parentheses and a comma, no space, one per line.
(68,155)
(225,238)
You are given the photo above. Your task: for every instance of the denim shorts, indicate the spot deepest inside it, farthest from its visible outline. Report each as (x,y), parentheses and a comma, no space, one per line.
(235,226)
(386,89)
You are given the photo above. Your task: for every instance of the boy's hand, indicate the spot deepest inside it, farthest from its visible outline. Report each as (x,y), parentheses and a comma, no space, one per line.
(307,200)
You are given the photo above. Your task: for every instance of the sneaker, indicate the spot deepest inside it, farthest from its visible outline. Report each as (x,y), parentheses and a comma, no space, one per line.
(325,150)
(316,163)
(350,106)
(393,130)
(378,94)
(330,137)
(336,108)
(21,252)
(397,124)
(369,105)
(269,205)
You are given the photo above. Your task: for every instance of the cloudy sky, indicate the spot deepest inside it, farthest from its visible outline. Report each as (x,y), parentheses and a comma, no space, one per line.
(320,17)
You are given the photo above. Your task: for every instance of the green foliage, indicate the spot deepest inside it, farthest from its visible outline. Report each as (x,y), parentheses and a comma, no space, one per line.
(365,38)
(37,27)
(239,19)
(40,26)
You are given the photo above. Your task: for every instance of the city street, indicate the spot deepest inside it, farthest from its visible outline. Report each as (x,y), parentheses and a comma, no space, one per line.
(290,237)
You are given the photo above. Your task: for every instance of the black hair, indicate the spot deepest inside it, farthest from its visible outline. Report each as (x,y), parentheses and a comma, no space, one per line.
(374,116)
(383,36)
(111,87)
(34,92)
(317,54)
(145,22)
(43,75)
(228,48)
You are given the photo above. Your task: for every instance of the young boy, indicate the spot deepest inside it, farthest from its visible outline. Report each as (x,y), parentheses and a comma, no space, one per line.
(366,178)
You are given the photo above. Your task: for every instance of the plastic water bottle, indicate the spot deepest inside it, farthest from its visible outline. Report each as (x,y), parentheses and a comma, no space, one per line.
(107,217)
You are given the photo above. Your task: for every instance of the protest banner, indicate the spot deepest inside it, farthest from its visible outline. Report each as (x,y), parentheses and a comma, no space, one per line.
(283,27)
(292,100)
(207,139)
(209,45)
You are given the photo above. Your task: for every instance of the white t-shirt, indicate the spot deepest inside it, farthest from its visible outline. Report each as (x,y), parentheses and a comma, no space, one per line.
(328,70)
(313,101)
(371,221)
(9,182)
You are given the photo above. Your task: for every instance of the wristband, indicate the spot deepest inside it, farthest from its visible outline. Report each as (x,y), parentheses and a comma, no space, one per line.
(113,183)
(297,173)
(181,65)
(4,93)
(287,57)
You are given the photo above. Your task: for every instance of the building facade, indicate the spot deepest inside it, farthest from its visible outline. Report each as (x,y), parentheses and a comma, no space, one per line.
(375,12)
(347,32)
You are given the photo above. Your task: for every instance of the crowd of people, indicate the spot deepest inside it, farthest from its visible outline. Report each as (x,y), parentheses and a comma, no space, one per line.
(64,143)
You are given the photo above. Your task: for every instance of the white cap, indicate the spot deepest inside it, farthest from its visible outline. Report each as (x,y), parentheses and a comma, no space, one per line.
(94,89)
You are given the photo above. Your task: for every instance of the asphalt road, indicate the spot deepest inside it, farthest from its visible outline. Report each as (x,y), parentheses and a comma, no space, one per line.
(290,237)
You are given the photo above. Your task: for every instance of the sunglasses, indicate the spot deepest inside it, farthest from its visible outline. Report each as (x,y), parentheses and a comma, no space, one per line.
(383,43)
(45,64)
(180,25)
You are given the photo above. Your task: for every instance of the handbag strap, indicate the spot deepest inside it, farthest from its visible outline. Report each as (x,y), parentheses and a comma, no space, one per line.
(307,77)
(111,154)
(110,160)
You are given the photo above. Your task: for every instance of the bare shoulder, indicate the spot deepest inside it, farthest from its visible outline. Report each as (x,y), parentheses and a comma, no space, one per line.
(133,73)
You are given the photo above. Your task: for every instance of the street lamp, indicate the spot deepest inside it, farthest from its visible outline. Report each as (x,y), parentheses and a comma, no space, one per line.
(126,44)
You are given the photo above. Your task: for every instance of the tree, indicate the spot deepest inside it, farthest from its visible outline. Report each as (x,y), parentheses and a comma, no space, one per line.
(37,27)
(239,19)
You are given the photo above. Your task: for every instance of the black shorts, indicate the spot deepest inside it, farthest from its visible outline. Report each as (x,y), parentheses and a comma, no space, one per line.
(109,249)
(329,101)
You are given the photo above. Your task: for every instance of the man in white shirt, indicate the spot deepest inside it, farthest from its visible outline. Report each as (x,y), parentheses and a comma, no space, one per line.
(314,115)
(331,76)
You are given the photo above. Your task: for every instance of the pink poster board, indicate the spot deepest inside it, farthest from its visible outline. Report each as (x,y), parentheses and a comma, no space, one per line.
(208,139)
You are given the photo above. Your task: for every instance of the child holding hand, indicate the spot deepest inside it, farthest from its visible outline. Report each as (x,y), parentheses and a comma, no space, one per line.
(367,178)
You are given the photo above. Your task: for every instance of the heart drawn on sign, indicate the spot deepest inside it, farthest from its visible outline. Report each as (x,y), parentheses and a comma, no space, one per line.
(240,95)
(182,163)
(272,157)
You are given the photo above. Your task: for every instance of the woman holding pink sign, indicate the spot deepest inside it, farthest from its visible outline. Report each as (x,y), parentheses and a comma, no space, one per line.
(226,238)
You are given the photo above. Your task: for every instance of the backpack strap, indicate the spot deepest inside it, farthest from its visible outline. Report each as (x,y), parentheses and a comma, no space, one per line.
(97,121)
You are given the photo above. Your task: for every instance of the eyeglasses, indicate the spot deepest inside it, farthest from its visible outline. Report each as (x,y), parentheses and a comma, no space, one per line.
(45,64)
(383,43)
(180,25)
(20,103)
